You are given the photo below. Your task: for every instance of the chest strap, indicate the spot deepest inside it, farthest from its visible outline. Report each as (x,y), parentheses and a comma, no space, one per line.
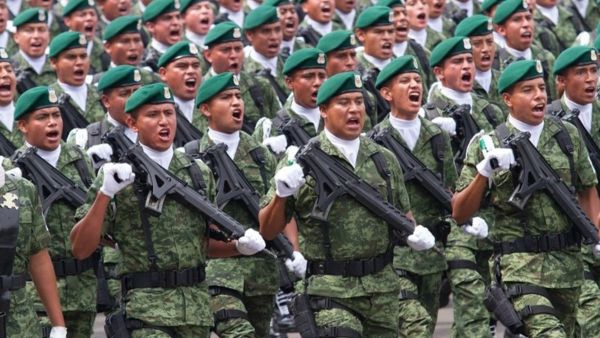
(71,266)
(163,279)
(539,243)
(351,268)
(13,282)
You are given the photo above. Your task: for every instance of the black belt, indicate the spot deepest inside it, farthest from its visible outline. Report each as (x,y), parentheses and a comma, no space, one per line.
(355,268)
(589,275)
(163,279)
(71,266)
(12,282)
(541,243)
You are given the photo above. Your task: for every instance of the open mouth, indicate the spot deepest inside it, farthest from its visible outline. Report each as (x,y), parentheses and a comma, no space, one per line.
(422,16)
(486,57)
(205,21)
(5,87)
(387,46)
(175,33)
(539,108)
(234,66)
(36,45)
(273,46)
(289,24)
(526,35)
(353,122)
(590,90)
(79,73)
(237,114)
(190,83)
(89,28)
(54,134)
(466,77)
(326,9)
(414,97)
(133,58)
(164,134)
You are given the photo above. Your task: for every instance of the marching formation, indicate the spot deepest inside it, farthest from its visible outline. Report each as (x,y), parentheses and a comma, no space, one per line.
(331,168)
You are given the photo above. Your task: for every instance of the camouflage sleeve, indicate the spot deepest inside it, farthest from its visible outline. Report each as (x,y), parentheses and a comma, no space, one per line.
(40,237)
(257,135)
(583,166)
(501,116)
(273,104)
(78,137)
(450,175)
(91,197)
(469,170)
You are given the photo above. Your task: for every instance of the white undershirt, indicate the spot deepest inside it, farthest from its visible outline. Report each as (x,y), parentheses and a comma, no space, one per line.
(456,96)
(4,39)
(289,44)
(163,158)
(467,5)
(50,156)
(437,24)
(78,94)
(186,107)
(232,141)
(499,39)
(347,18)
(484,79)
(159,46)
(14,6)
(550,12)
(252,4)
(131,135)
(419,36)
(271,63)
(311,114)
(399,48)
(236,17)
(525,54)
(348,148)
(195,37)
(36,63)
(408,129)
(535,131)
(7,117)
(581,6)
(90,46)
(585,112)
(321,28)
(378,63)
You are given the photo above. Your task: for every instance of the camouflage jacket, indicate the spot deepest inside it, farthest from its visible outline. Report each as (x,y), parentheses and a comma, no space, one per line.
(562,35)
(33,236)
(555,269)
(591,18)
(253,67)
(180,241)
(299,43)
(46,78)
(252,275)
(309,33)
(151,58)
(433,38)
(429,261)
(99,60)
(355,232)
(14,136)
(491,95)
(93,108)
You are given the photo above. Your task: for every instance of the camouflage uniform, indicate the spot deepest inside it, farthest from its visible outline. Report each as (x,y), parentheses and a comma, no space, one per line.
(93,108)
(77,292)
(433,38)
(559,272)
(355,234)
(253,67)
(448,26)
(46,78)
(560,36)
(151,58)
(491,95)
(33,237)
(179,242)
(592,15)
(256,277)
(99,60)
(305,30)
(420,272)
(14,136)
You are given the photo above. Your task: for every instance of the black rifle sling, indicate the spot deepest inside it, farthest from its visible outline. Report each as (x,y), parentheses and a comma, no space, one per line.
(438,149)
(82,169)
(95,132)
(258,156)
(490,115)
(196,176)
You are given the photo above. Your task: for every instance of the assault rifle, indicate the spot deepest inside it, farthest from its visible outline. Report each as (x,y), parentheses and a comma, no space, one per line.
(294,133)
(535,174)
(414,169)
(52,185)
(71,117)
(24,81)
(333,180)
(466,128)
(160,183)
(266,73)
(383,107)
(186,132)
(7,148)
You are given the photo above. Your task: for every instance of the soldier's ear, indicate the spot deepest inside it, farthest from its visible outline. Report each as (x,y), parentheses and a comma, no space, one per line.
(506,96)
(208,55)
(289,82)
(360,35)
(53,63)
(204,110)
(150,26)
(323,111)
(438,72)
(22,125)
(386,93)
(162,72)
(501,30)
(131,121)
(249,35)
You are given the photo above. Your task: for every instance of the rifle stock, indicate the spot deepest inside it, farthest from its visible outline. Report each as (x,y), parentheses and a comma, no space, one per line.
(186,132)
(466,128)
(294,133)
(71,117)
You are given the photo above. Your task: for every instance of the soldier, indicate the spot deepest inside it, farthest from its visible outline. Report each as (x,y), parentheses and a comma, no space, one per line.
(452,63)
(6,37)
(39,119)
(515,23)
(576,71)
(289,27)
(263,30)
(68,56)
(242,287)
(345,14)
(32,37)
(231,11)
(318,20)
(225,52)
(362,303)
(110,10)
(56,24)
(8,90)
(420,272)
(437,20)
(585,14)
(164,23)
(537,256)
(458,10)
(557,21)
(177,245)
(340,49)
(478,28)
(198,17)
(419,30)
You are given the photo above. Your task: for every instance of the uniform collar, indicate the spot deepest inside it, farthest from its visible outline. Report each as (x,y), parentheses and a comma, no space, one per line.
(163,158)
(585,111)
(232,140)
(437,24)
(348,148)
(50,156)
(378,63)
(347,18)
(399,48)
(321,28)
(420,36)
(535,131)
(311,114)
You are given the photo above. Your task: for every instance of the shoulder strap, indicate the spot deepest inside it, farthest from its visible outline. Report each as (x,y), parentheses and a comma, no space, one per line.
(420,53)
(256,93)
(195,173)
(94,131)
(258,156)
(554,107)
(191,148)
(502,133)
(384,171)
(82,168)
(490,114)
(438,149)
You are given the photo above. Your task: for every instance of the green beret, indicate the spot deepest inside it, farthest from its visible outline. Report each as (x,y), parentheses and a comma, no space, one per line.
(122,25)
(475,25)
(303,59)
(390,3)
(337,40)
(179,50)
(518,71)
(155,93)
(339,84)
(31,15)
(403,64)
(226,31)
(216,84)
(185,4)
(34,99)
(261,15)
(508,8)
(574,56)
(4,57)
(448,48)
(374,16)
(597,42)
(159,7)
(487,5)
(75,5)
(119,76)
(65,41)
(277,3)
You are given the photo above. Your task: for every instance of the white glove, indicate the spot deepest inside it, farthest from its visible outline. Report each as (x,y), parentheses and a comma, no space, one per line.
(180,149)
(291,152)
(58,332)
(251,243)
(297,265)
(478,228)
(446,123)
(276,143)
(421,239)
(100,152)
(123,171)
(14,173)
(288,180)
(504,156)
(596,250)
(266,126)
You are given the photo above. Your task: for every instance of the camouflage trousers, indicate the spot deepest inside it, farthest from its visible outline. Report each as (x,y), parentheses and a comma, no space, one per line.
(564,301)
(471,318)
(258,310)
(378,313)
(419,304)
(189,331)
(80,324)
(588,312)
